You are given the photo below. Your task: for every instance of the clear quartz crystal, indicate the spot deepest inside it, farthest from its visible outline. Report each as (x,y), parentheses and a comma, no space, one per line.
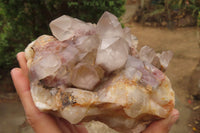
(148,74)
(165,58)
(109,26)
(114,56)
(133,74)
(66,27)
(69,54)
(147,54)
(84,76)
(113,50)
(87,43)
(134,62)
(131,39)
(45,66)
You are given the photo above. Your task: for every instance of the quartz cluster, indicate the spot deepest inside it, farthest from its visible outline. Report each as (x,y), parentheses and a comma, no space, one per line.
(96,70)
(98,49)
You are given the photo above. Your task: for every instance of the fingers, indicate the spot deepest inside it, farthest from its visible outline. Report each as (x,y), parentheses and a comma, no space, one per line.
(81,129)
(62,126)
(69,128)
(164,125)
(21,83)
(22,62)
(39,121)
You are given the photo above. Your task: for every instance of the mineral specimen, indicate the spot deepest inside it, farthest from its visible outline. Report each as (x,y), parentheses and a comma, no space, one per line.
(95,72)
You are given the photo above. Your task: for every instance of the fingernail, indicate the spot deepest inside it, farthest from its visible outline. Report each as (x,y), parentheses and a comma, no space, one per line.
(14,70)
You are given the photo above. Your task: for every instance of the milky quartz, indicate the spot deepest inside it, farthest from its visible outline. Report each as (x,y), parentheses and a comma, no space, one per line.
(88,72)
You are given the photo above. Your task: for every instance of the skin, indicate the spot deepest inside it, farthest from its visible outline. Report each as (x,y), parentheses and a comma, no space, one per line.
(46,123)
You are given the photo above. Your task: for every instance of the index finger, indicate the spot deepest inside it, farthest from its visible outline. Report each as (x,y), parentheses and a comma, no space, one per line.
(36,119)
(22,86)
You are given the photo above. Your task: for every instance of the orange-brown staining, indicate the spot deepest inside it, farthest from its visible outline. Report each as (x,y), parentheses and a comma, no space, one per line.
(169,110)
(169,105)
(166,86)
(117,110)
(128,105)
(129,82)
(33,53)
(163,98)
(90,57)
(106,106)
(44,39)
(81,105)
(67,99)
(117,85)
(58,102)
(172,93)
(133,51)
(100,71)
(162,68)
(163,82)
(149,89)
(147,117)
(57,48)
(40,42)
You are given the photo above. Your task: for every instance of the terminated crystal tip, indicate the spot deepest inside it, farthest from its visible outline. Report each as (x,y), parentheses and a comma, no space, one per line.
(66,27)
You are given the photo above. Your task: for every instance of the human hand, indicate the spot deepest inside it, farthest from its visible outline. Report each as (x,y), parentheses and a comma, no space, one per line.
(164,125)
(42,122)
(39,121)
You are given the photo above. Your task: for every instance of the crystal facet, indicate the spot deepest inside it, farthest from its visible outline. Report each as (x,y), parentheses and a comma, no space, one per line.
(66,27)
(165,58)
(84,76)
(45,66)
(147,54)
(114,56)
(109,26)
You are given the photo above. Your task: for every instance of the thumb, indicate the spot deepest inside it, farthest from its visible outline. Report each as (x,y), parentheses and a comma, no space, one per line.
(164,125)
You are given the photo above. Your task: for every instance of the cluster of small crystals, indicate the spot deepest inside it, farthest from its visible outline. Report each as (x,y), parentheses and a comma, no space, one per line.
(84,52)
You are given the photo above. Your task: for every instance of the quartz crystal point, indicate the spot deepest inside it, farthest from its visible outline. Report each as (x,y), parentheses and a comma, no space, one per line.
(113,50)
(150,75)
(112,56)
(65,27)
(147,54)
(131,39)
(161,61)
(45,66)
(84,76)
(165,58)
(89,72)
(109,26)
